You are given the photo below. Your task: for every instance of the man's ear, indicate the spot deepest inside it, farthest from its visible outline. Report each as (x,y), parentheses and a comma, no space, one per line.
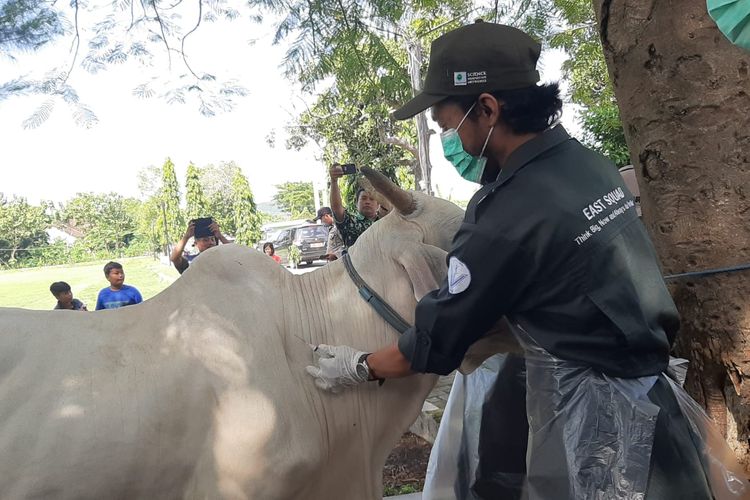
(425,265)
(490,107)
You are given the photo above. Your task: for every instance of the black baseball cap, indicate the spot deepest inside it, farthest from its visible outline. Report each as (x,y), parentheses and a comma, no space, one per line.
(323,211)
(479,57)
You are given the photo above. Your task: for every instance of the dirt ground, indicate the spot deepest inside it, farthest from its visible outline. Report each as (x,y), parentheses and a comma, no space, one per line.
(405,467)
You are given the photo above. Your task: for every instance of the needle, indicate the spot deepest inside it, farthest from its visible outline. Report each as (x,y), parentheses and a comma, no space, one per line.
(312,346)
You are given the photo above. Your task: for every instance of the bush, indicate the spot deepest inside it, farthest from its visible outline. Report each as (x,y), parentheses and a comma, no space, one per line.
(392,491)
(140,246)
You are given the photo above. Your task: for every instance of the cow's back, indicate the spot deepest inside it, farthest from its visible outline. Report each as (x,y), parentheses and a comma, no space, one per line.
(183,396)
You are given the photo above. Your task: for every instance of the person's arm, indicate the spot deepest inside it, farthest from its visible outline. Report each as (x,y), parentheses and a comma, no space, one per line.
(478,291)
(216,231)
(137,296)
(99,303)
(389,362)
(176,257)
(337,207)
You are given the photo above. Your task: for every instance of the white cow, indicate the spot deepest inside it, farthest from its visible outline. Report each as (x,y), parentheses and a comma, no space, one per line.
(201,392)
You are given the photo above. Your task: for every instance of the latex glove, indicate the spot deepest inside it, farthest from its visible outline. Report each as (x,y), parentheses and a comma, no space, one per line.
(337,368)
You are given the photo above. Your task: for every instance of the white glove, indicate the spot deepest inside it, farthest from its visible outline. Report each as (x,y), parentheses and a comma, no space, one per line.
(337,368)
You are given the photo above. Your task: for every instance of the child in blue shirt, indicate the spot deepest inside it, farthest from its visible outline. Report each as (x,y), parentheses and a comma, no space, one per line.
(117,294)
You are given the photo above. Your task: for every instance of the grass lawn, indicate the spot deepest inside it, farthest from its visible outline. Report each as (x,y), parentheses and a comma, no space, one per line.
(29,288)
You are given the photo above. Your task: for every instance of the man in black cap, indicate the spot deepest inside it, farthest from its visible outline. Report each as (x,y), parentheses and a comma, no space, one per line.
(552,241)
(335,246)
(204,236)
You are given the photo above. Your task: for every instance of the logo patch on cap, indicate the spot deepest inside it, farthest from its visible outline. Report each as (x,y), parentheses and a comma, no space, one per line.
(459,78)
(459,276)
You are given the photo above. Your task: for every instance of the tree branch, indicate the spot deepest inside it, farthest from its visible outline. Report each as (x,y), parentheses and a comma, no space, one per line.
(184,57)
(395,141)
(132,15)
(76,42)
(163,34)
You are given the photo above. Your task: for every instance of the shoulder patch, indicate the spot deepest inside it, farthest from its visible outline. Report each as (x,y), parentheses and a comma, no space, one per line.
(459,276)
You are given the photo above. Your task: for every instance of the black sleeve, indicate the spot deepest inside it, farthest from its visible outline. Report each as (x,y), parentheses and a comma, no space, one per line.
(446,323)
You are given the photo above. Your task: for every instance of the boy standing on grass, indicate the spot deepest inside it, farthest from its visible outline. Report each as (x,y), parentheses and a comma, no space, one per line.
(64,296)
(117,294)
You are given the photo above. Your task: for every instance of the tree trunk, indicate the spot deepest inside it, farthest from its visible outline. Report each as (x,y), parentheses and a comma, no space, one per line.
(683,90)
(423,168)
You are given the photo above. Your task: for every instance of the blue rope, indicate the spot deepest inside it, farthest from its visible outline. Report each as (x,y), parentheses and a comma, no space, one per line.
(708,272)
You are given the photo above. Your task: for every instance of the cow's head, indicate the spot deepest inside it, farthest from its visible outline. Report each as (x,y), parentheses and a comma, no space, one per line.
(416,234)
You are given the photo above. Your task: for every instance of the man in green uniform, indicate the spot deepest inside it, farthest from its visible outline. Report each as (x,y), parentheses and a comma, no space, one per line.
(349,224)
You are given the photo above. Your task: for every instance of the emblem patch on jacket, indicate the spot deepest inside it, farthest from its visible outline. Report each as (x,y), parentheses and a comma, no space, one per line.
(459,276)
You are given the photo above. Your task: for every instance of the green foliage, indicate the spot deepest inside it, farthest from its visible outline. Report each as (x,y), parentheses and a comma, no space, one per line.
(604,131)
(217,182)
(295,255)
(28,24)
(266,218)
(114,226)
(391,491)
(362,46)
(246,216)
(109,221)
(586,71)
(172,222)
(404,178)
(197,205)
(148,225)
(21,226)
(296,199)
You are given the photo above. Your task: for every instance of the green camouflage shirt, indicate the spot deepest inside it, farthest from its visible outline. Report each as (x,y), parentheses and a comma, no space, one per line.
(352,226)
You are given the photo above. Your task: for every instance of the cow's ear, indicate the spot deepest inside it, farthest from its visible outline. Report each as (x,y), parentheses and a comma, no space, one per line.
(425,265)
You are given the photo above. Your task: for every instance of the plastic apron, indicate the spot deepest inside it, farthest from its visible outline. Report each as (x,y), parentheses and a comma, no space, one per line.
(590,436)
(455,453)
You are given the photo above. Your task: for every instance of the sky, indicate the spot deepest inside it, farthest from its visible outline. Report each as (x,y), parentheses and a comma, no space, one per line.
(59,158)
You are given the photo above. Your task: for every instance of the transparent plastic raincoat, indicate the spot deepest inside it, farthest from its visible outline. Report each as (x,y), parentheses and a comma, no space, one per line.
(590,436)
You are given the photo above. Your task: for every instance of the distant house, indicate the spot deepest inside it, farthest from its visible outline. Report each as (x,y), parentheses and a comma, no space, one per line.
(63,232)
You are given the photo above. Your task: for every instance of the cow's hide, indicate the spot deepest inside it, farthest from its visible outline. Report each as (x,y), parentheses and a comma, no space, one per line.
(201,391)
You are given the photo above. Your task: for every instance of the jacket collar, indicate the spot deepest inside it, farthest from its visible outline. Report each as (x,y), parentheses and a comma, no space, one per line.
(531,149)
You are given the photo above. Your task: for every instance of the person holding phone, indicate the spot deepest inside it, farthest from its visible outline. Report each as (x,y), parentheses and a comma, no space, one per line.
(205,233)
(351,225)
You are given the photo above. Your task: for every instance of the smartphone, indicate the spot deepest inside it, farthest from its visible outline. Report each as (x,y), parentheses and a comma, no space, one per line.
(349,168)
(201,226)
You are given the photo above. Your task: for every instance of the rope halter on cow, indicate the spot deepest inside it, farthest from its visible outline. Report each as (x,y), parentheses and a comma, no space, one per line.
(384,310)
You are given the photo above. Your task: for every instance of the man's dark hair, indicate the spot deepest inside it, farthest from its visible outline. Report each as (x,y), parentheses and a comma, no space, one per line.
(359,192)
(526,110)
(59,287)
(111,265)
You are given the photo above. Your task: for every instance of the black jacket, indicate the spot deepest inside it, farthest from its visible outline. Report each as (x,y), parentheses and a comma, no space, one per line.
(555,245)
